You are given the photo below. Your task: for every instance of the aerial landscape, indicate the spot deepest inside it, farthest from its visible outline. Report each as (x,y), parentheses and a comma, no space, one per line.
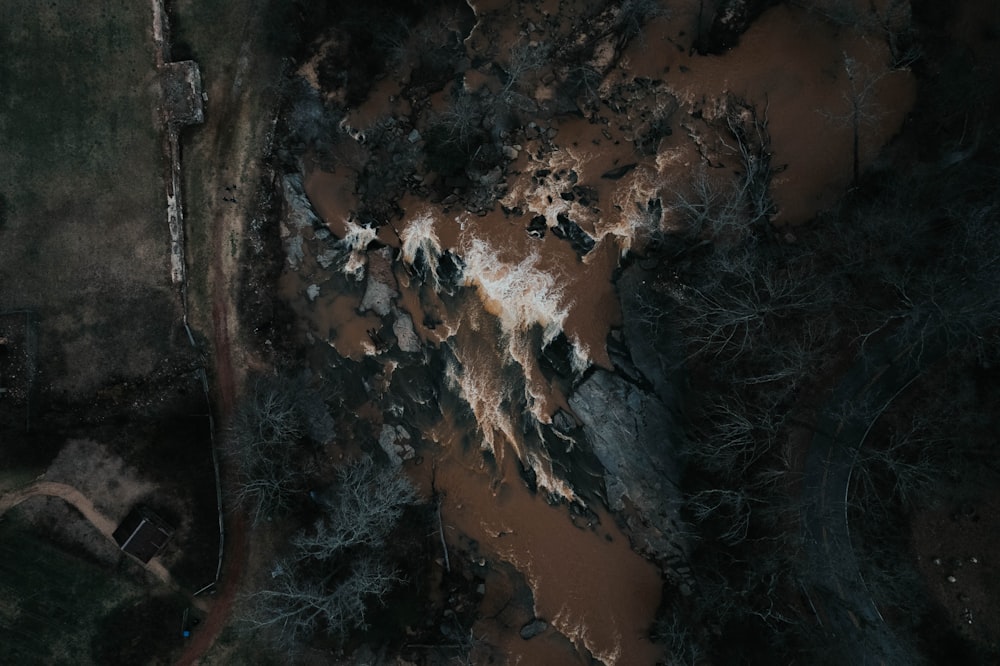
(513,332)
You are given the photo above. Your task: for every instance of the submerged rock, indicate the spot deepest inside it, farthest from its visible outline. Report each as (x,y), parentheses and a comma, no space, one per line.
(450,270)
(618,172)
(569,230)
(533,628)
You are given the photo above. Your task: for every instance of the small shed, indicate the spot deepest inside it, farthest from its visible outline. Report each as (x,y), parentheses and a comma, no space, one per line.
(142,534)
(182,93)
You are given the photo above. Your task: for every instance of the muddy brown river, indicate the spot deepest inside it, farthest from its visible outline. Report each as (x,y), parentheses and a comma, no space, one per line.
(519,291)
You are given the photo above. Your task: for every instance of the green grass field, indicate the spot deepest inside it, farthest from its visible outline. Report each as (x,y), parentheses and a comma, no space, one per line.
(83,238)
(51,602)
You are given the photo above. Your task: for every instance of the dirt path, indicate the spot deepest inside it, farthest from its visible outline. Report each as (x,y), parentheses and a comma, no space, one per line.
(82,504)
(234,134)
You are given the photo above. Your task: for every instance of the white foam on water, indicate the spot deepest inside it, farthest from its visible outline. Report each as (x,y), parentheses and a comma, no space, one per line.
(580,360)
(419,236)
(484,394)
(356,242)
(543,198)
(520,295)
(547,479)
(629,222)
(491,400)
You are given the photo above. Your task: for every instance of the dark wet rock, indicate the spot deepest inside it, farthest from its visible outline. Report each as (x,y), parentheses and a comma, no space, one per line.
(569,230)
(458,182)
(586,195)
(406,335)
(618,172)
(420,266)
(529,476)
(537,227)
(533,628)
(451,269)
(563,422)
(415,386)
(395,441)
(558,356)
(654,210)
(621,358)
(631,432)
(731,20)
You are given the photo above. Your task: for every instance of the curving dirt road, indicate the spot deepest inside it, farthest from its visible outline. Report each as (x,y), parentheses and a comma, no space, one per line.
(848,607)
(235,137)
(86,508)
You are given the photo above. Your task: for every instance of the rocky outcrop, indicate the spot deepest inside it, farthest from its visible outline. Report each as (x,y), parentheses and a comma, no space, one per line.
(569,230)
(630,432)
(395,441)
(627,420)
(380,289)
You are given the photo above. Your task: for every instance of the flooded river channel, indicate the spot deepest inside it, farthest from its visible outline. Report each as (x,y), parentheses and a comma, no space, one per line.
(482,296)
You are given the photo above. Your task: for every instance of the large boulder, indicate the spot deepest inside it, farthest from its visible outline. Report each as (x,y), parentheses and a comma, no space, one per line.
(631,433)
(381,288)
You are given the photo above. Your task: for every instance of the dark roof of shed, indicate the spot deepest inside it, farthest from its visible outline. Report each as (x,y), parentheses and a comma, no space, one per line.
(142,534)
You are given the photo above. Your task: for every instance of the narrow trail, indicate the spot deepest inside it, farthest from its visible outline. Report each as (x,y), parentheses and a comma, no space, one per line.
(81,503)
(230,132)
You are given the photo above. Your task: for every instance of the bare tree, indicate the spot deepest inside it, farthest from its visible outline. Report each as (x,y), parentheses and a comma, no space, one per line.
(266,439)
(711,207)
(730,436)
(862,111)
(632,16)
(896,23)
(739,300)
(337,568)
(525,59)
(894,19)
(678,634)
(753,145)
(298,604)
(731,508)
(265,430)
(841,13)
(362,508)
(309,122)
